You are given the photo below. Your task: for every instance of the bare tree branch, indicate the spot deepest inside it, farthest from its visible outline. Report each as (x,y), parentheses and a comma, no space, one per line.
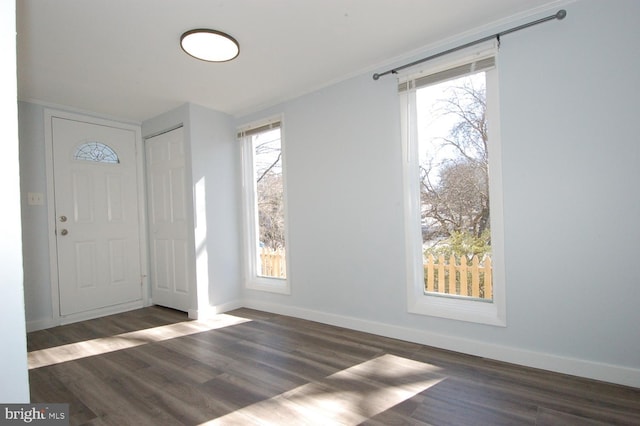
(268,169)
(455,193)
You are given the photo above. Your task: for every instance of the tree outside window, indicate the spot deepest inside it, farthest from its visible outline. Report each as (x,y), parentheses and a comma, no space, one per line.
(453,166)
(269,204)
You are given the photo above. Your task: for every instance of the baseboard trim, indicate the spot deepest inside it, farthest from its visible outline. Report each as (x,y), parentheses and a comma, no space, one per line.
(40,324)
(212,310)
(83,316)
(573,366)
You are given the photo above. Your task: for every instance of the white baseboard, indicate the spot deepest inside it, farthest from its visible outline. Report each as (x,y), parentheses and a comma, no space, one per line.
(212,310)
(41,324)
(82,316)
(545,361)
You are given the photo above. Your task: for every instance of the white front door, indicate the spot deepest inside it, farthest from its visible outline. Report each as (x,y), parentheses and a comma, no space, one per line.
(167,200)
(97,221)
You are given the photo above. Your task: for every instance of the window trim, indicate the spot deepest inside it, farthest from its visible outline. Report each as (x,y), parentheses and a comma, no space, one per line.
(418,302)
(252,280)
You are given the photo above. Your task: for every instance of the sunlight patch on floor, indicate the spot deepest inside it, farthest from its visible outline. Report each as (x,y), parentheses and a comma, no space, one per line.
(72,351)
(347,397)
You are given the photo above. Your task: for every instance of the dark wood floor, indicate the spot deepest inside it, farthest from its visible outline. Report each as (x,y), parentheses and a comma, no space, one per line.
(154,366)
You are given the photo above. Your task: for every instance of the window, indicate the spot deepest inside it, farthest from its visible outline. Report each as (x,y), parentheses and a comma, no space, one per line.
(264,207)
(96,152)
(453,194)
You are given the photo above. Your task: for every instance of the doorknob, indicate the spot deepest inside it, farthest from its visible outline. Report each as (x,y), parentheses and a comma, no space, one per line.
(64,232)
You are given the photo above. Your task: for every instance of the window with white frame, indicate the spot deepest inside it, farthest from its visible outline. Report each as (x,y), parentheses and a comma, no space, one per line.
(264,206)
(453,194)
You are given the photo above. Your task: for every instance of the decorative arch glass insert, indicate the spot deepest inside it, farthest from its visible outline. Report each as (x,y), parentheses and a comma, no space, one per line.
(96,152)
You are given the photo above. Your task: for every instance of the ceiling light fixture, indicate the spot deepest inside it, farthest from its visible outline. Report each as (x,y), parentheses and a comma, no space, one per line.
(209,45)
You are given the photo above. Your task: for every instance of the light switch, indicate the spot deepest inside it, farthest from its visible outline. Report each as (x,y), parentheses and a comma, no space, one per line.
(35,198)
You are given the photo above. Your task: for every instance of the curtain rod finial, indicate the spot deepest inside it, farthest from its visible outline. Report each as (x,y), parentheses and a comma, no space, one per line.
(561,14)
(376,76)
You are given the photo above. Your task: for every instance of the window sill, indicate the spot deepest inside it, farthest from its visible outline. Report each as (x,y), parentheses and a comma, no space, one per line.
(475,311)
(270,285)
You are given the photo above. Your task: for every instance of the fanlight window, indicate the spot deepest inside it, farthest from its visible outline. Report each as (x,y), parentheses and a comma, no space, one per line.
(96,152)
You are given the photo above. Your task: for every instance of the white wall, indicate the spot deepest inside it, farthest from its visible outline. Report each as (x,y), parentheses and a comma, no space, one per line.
(35,242)
(213,164)
(569,104)
(571,165)
(14,385)
(215,171)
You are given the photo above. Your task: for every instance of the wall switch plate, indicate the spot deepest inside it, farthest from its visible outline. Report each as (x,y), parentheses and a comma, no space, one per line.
(35,198)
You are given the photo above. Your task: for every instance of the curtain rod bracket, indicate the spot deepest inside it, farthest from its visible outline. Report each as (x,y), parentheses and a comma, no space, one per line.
(560,15)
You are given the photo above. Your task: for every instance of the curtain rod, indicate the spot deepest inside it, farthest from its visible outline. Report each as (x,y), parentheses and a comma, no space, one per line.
(561,14)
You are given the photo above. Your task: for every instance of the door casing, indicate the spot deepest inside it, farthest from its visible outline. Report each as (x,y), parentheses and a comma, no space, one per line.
(57,319)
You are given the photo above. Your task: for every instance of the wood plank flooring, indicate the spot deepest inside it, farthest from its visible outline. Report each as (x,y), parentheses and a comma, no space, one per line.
(155,366)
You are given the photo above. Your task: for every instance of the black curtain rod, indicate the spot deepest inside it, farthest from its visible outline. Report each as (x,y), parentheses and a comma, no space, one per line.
(560,15)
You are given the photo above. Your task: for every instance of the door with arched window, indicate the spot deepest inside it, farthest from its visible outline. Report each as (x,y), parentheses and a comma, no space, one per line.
(96,215)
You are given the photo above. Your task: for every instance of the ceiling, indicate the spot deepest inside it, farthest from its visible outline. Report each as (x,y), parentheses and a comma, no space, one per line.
(122,58)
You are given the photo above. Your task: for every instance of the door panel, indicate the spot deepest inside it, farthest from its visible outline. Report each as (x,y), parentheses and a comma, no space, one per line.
(115,199)
(82,201)
(96,206)
(167,196)
(86,270)
(181,262)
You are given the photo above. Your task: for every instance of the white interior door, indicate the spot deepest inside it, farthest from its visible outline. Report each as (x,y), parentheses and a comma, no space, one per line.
(97,222)
(167,200)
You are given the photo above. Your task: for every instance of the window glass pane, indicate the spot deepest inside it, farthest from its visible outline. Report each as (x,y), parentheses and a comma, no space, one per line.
(269,204)
(454,187)
(96,152)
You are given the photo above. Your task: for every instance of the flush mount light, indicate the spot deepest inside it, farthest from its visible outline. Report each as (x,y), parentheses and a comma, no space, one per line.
(209,45)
